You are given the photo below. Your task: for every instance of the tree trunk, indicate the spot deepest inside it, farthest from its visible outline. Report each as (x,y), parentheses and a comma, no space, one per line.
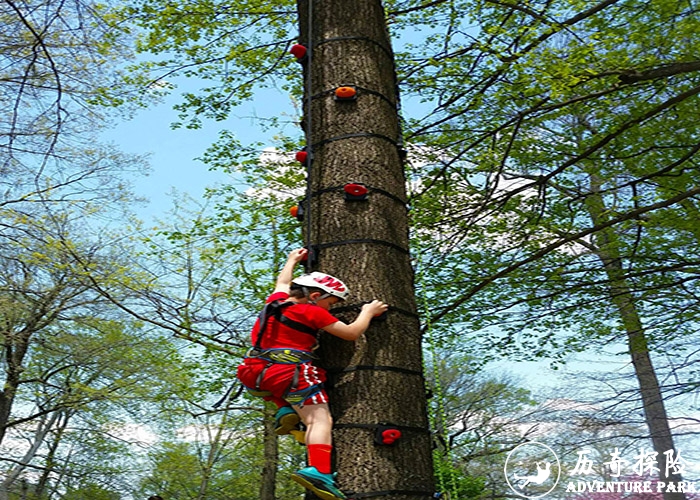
(270,454)
(377,379)
(50,462)
(15,347)
(608,251)
(43,427)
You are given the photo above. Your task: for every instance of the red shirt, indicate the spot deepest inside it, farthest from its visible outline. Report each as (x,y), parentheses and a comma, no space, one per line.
(280,336)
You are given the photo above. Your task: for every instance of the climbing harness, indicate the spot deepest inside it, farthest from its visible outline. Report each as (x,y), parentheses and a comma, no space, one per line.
(285,356)
(275,309)
(273,356)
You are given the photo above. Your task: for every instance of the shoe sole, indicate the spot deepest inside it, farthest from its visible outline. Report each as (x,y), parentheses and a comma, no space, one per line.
(300,436)
(316,488)
(287,423)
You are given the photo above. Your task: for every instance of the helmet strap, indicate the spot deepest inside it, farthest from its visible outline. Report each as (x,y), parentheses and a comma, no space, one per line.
(320,297)
(307,295)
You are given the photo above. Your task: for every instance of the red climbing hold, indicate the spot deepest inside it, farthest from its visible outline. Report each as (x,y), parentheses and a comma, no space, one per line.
(389,436)
(298,51)
(302,157)
(297,211)
(355,191)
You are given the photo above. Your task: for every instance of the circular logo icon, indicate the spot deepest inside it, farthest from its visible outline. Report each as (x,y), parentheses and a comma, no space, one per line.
(532,470)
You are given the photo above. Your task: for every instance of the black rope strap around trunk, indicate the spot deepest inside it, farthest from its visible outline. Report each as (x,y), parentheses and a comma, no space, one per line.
(354,136)
(411,493)
(390,244)
(409,428)
(385,49)
(371,189)
(382,368)
(358,306)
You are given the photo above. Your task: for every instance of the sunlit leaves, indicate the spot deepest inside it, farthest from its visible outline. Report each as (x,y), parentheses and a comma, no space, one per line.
(237,46)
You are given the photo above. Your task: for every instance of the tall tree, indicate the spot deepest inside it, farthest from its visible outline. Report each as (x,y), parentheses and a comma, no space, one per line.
(76,398)
(379,379)
(365,243)
(58,73)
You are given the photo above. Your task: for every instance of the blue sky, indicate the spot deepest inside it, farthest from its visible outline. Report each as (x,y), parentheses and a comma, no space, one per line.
(173,152)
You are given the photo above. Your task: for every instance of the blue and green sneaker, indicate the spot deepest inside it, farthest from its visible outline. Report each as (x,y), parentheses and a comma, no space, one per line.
(322,485)
(286,420)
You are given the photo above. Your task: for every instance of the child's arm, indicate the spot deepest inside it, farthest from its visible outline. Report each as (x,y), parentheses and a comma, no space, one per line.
(361,323)
(284,280)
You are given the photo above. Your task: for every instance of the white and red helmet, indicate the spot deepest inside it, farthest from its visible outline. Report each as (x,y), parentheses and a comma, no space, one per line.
(326,282)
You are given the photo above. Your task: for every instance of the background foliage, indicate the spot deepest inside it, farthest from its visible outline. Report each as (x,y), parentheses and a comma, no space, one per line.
(554,204)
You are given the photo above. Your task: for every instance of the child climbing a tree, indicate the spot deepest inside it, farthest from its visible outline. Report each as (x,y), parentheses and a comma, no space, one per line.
(279,366)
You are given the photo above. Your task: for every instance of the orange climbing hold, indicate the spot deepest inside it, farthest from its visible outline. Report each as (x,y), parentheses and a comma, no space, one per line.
(346,93)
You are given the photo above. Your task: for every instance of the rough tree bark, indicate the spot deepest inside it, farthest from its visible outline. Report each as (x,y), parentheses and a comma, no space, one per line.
(379,378)
(270,455)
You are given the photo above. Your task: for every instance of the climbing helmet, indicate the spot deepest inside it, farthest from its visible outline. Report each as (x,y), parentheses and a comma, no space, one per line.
(326,282)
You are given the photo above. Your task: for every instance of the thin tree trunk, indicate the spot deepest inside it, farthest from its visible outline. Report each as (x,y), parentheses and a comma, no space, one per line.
(216,444)
(43,427)
(377,379)
(15,348)
(43,481)
(50,462)
(270,454)
(608,251)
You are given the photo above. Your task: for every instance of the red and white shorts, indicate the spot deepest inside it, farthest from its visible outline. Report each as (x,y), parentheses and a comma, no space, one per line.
(278,380)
